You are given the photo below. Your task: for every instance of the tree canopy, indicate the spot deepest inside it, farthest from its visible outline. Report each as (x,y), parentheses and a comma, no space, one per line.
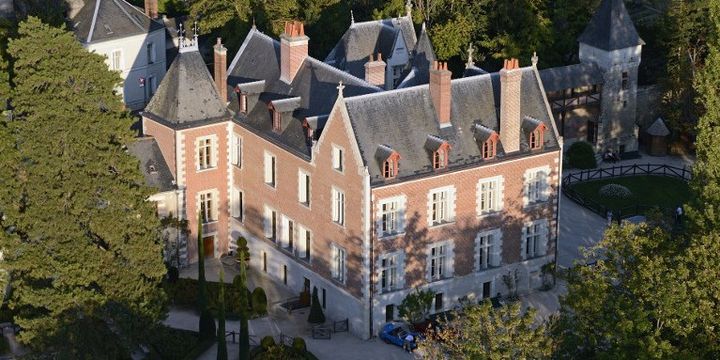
(81,240)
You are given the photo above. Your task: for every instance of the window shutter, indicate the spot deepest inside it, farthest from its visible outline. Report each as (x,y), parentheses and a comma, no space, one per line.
(522,241)
(496,249)
(545,185)
(214,150)
(235,203)
(233,150)
(543,238)
(500,203)
(268,223)
(300,241)
(301,187)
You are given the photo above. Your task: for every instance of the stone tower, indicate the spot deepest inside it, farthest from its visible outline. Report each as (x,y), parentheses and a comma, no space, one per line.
(611,42)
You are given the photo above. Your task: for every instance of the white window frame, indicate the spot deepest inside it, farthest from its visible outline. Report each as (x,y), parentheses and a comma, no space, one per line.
(534,233)
(490,200)
(150,52)
(441,206)
(268,223)
(536,185)
(391,216)
(304,187)
(338,263)
(237,204)
(270,169)
(440,260)
(236,150)
(289,232)
(338,206)
(304,243)
(209,213)
(391,271)
(209,158)
(119,66)
(338,158)
(489,251)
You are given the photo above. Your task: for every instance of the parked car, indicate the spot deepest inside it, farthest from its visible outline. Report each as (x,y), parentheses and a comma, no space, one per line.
(395,333)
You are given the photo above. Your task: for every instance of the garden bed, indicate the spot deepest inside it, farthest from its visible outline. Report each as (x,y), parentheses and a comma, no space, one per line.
(647,191)
(169,343)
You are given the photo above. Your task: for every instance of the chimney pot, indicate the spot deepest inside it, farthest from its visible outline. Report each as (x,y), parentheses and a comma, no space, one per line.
(151,8)
(375,71)
(293,50)
(510,93)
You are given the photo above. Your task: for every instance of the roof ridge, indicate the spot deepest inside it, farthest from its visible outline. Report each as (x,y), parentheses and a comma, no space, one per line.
(388,92)
(94,21)
(128,15)
(343,73)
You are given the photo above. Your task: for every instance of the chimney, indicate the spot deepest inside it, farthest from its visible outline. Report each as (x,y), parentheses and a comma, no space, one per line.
(151,8)
(220,68)
(375,71)
(510,77)
(293,50)
(440,91)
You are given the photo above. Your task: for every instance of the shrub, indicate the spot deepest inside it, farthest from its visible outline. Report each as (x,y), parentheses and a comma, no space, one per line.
(259,301)
(416,305)
(581,155)
(615,191)
(299,344)
(316,314)
(267,342)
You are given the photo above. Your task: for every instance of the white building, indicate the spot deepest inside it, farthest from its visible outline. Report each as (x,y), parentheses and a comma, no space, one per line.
(133,41)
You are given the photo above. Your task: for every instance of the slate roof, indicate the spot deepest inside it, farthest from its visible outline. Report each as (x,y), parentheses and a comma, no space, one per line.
(315,84)
(422,56)
(370,37)
(658,128)
(187,96)
(473,70)
(611,28)
(571,76)
(103,20)
(152,164)
(402,120)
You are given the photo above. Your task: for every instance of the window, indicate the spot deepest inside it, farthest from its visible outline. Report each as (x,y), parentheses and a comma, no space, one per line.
(270,169)
(389,312)
(205,153)
(437,262)
(536,138)
(264,261)
(285,274)
(488,246)
(439,302)
(271,223)
(288,234)
(397,74)
(533,234)
(489,149)
(624,80)
(390,167)
(441,205)
(337,158)
(323,297)
(391,271)
(338,264)
(116,60)
(237,204)
(242,98)
(151,85)
(440,158)
(150,49)
(338,206)
(391,216)
(304,188)
(236,151)
(486,292)
(489,195)
(536,185)
(207,210)
(276,120)
(304,243)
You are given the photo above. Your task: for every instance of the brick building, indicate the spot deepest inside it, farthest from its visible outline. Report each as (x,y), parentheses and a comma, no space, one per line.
(363,193)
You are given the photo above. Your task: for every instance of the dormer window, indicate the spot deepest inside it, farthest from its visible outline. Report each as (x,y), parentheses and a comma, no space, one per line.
(534,130)
(536,139)
(489,148)
(390,168)
(389,161)
(276,117)
(439,151)
(242,99)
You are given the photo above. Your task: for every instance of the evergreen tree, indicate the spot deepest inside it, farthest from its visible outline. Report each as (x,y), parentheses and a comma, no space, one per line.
(207,323)
(243,257)
(82,242)
(316,315)
(222,343)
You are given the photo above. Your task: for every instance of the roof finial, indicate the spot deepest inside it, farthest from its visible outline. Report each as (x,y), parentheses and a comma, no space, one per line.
(470,63)
(195,33)
(352,17)
(181,36)
(340,88)
(408,8)
(253,26)
(534,59)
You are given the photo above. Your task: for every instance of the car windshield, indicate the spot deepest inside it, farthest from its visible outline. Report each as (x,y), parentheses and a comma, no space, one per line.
(402,334)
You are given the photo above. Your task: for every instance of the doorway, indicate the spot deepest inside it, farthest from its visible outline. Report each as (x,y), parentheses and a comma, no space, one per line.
(209,246)
(486,290)
(306,285)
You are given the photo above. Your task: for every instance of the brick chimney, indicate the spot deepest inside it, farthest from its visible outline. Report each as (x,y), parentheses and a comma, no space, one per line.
(440,91)
(151,8)
(510,92)
(375,71)
(220,67)
(293,50)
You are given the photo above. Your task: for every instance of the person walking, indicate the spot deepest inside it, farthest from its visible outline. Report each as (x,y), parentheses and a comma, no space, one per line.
(678,215)
(609,217)
(407,343)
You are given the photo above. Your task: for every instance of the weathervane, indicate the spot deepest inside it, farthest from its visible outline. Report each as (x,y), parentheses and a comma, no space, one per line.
(340,88)
(196,29)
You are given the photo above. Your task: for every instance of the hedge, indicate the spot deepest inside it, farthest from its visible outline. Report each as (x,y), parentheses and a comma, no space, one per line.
(184,292)
(169,343)
(581,155)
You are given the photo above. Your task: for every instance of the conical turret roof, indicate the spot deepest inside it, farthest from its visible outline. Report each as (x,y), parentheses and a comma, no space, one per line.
(611,28)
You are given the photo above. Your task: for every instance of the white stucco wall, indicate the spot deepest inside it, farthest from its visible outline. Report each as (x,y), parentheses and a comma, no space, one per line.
(135,64)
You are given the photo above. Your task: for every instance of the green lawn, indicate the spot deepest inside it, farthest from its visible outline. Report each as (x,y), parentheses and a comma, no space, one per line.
(660,191)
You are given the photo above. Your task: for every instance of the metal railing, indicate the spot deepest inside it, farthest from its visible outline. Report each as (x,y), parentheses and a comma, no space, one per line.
(683,173)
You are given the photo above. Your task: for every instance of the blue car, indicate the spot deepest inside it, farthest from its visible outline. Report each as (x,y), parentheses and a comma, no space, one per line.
(396,332)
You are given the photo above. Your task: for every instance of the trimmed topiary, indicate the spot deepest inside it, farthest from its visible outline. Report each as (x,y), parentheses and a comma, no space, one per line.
(615,191)
(299,344)
(259,301)
(581,155)
(316,314)
(267,342)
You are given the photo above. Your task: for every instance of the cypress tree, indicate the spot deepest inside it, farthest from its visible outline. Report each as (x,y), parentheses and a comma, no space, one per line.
(316,314)
(80,238)
(244,305)
(207,323)
(222,344)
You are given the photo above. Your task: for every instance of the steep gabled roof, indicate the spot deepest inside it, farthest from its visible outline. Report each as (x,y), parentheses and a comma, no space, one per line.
(152,163)
(571,76)
(658,128)
(315,84)
(402,120)
(611,28)
(423,56)
(102,20)
(187,96)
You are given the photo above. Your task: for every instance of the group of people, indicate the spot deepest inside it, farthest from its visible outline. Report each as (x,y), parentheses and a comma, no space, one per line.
(611,156)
